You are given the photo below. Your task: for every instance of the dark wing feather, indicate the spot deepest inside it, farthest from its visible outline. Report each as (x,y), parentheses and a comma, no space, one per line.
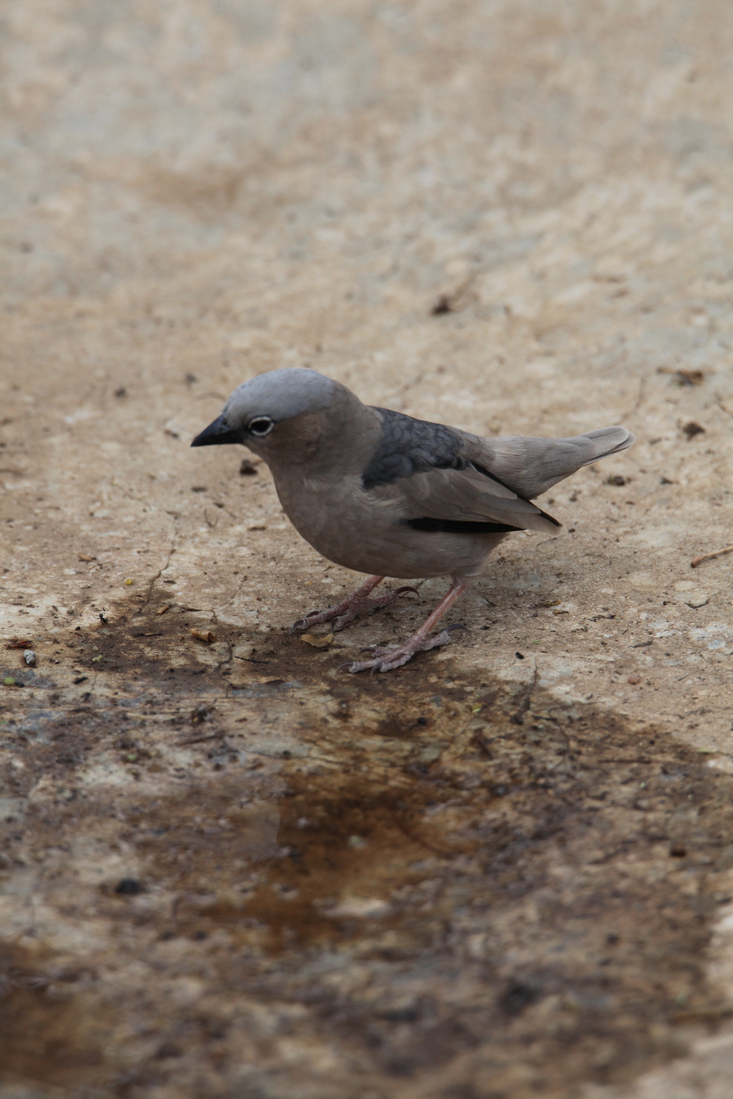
(410,446)
(458,526)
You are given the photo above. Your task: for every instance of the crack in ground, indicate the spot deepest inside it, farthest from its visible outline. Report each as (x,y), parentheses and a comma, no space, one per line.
(151,585)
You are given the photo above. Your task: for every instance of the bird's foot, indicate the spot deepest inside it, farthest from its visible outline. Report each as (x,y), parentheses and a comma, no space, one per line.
(386,660)
(348,609)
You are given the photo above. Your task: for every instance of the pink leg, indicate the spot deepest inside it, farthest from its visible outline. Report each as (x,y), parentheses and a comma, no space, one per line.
(385,660)
(350,608)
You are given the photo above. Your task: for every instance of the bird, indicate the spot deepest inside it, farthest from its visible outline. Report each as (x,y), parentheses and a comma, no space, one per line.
(383,493)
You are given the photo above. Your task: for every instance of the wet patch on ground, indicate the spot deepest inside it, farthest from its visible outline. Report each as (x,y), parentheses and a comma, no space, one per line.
(261,875)
(53,1031)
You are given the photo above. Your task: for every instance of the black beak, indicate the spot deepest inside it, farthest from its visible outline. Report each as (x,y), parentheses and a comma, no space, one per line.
(217,433)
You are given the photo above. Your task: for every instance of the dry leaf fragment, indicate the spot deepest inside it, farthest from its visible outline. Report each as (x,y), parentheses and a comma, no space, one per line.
(318,642)
(164,608)
(203,635)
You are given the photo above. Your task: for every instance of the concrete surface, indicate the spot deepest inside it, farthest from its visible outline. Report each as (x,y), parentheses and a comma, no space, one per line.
(230,870)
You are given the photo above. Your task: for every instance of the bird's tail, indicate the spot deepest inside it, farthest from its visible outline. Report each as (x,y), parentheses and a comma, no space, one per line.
(603,442)
(531,466)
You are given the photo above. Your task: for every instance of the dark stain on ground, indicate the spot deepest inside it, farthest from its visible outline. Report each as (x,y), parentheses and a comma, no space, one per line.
(342,834)
(454,874)
(51,1032)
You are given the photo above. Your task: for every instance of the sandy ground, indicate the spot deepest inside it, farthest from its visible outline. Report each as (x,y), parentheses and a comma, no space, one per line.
(229,869)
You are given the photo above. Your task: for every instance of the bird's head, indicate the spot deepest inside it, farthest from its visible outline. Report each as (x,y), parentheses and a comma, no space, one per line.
(282,409)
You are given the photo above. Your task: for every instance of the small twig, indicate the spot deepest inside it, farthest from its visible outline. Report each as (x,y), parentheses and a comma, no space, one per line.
(625,759)
(201,739)
(706,556)
(701,1015)
(684,377)
(637,402)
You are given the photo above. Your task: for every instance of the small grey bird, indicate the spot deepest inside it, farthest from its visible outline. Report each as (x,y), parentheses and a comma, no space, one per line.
(380,492)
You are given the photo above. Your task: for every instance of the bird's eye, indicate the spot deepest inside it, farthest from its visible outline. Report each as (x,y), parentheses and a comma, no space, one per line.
(261,425)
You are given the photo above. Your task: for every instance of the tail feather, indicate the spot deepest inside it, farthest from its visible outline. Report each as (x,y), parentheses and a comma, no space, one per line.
(531,466)
(606,441)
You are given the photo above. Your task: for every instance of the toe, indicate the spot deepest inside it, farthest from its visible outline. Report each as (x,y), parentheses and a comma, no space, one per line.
(342,620)
(354,666)
(391,663)
(443,638)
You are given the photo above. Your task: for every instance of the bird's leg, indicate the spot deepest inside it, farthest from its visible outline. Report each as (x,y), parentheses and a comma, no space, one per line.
(385,660)
(350,608)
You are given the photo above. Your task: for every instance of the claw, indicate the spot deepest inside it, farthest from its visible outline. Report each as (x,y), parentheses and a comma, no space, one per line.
(302,623)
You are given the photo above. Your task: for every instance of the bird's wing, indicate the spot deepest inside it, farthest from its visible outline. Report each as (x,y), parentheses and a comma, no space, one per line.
(425,473)
(461,502)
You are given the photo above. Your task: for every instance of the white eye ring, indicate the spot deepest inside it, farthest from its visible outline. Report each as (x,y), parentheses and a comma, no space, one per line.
(260,426)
